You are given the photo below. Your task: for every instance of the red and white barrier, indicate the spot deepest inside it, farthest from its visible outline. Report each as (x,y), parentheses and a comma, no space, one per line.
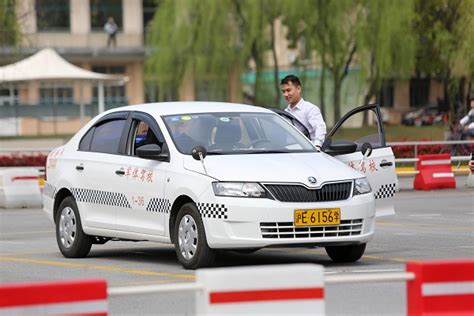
(441,288)
(434,172)
(65,298)
(19,187)
(470,177)
(279,289)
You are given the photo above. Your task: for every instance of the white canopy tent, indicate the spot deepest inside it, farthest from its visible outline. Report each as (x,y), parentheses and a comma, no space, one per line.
(47,65)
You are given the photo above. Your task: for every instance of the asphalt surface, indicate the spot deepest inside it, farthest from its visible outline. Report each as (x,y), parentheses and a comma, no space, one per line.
(427,225)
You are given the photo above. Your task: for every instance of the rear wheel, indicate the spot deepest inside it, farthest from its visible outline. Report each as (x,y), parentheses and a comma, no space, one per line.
(71,239)
(190,239)
(350,253)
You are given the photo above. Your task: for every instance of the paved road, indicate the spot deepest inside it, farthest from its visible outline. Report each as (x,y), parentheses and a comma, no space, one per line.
(428,225)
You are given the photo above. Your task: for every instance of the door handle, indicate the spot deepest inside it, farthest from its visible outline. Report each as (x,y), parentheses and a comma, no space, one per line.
(80,167)
(386,164)
(120,172)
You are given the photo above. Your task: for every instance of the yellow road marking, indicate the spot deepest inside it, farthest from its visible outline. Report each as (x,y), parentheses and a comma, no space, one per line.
(446,227)
(99,267)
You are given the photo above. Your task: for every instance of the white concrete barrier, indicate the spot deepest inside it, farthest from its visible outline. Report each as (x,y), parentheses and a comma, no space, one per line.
(19,187)
(261,290)
(470,177)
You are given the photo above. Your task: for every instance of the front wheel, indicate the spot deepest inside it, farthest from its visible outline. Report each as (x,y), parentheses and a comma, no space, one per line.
(72,241)
(190,239)
(350,253)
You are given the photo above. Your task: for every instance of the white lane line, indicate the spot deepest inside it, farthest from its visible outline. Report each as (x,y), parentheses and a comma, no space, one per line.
(469,213)
(424,215)
(465,247)
(404,234)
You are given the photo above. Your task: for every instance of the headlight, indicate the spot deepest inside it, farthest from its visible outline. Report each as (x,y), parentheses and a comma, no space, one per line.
(361,186)
(239,189)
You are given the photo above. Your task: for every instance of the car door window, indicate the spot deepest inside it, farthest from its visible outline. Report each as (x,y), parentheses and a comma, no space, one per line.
(106,138)
(85,143)
(142,134)
(356,131)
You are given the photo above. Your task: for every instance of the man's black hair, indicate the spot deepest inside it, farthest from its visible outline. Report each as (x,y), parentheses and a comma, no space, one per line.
(291,78)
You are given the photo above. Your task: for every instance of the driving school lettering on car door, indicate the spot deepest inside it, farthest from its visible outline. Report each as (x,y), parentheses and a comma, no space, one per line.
(364,166)
(139,174)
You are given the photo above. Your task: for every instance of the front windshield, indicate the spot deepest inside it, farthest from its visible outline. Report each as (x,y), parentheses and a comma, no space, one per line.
(235,133)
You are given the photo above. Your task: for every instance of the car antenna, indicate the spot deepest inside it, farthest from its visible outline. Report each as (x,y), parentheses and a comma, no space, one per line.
(199,153)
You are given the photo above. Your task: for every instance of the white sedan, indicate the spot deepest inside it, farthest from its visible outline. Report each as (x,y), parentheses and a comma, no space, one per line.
(208,176)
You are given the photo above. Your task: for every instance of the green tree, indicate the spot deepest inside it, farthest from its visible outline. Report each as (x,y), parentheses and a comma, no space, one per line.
(185,36)
(330,28)
(387,43)
(196,39)
(9,31)
(446,34)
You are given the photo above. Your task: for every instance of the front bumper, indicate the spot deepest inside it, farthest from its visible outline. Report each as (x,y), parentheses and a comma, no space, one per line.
(258,223)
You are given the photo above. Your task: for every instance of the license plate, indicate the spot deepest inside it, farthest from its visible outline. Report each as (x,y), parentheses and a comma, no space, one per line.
(325,216)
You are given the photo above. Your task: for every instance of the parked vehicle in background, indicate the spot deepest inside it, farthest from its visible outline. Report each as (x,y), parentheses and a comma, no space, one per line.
(427,115)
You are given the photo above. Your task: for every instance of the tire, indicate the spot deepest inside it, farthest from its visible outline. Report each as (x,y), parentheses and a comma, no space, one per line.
(350,253)
(71,239)
(190,239)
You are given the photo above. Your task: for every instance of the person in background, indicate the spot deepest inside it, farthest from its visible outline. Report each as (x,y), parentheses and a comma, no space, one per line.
(306,112)
(467,122)
(111,29)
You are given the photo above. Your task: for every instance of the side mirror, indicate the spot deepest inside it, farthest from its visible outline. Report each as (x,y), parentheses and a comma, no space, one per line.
(366,150)
(339,147)
(199,152)
(153,151)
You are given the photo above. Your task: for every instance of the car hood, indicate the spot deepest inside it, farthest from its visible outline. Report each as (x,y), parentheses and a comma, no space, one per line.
(294,167)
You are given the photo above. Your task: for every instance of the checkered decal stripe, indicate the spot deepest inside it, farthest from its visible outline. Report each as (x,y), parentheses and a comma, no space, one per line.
(159,205)
(49,190)
(210,210)
(386,191)
(100,197)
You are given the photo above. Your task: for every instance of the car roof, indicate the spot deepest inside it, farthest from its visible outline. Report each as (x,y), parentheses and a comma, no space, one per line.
(184,107)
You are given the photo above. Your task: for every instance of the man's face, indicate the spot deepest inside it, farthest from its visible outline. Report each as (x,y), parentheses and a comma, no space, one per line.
(291,92)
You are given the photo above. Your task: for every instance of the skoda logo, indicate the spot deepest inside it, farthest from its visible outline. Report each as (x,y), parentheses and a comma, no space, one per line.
(312,180)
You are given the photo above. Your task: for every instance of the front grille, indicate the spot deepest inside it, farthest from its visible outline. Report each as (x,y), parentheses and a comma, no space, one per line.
(287,230)
(299,193)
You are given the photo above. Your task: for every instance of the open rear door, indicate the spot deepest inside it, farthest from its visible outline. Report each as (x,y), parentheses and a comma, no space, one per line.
(379,166)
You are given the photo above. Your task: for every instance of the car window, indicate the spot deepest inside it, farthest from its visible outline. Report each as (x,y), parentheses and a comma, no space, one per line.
(85,143)
(235,133)
(142,135)
(353,129)
(106,138)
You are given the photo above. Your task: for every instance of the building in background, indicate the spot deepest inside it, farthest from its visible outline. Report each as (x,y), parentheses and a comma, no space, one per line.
(75,29)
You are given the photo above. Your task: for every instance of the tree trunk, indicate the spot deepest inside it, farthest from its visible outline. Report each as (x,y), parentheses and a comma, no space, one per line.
(258,75)
(337,98)
(235,89)
(275,67)
(322,88)
(370,93)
